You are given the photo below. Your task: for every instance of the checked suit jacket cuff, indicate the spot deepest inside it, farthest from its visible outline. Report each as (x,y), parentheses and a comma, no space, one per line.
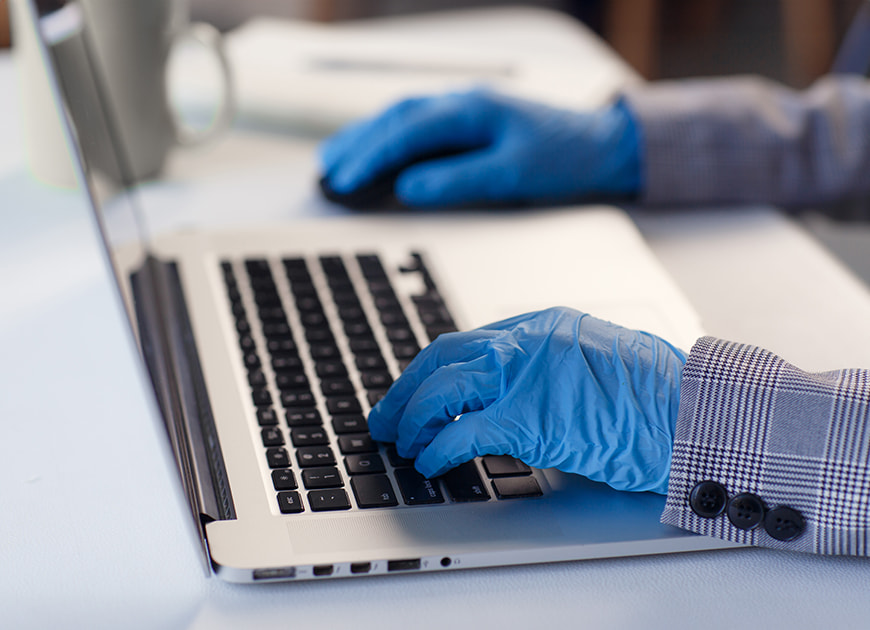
(753,423)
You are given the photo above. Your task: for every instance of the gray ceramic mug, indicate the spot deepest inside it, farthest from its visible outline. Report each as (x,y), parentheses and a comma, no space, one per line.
(133,41)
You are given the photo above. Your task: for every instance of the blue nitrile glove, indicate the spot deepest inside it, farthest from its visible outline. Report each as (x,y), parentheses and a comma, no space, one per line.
(516,151)
(555,389)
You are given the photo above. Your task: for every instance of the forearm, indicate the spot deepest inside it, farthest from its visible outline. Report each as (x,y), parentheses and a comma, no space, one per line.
(752,423)
(749,139)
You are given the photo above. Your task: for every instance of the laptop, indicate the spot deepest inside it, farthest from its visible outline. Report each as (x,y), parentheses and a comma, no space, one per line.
(266,348)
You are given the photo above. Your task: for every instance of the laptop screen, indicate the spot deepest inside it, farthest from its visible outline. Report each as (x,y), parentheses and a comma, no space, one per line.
(64,30)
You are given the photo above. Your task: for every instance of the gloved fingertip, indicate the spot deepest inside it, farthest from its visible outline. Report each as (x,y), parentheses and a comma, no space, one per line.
(380,428)
(345,180)
(431,464)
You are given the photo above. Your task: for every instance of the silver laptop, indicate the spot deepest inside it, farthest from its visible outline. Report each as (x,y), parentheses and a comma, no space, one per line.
(267,347)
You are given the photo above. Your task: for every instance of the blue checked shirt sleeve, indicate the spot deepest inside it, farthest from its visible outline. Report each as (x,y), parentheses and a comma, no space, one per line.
(739,139)
(756,424)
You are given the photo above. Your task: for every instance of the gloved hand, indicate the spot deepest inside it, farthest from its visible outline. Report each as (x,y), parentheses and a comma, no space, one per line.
(555,389)
(515,151)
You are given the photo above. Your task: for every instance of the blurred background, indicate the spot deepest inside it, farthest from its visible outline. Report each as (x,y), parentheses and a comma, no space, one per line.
(791,41)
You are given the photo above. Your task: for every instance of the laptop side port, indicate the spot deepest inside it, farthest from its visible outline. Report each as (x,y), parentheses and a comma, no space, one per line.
(279,573)
(411,564)
(360,567)
(322,570)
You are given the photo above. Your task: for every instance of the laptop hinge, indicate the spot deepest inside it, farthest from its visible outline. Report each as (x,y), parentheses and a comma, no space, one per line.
(169,348)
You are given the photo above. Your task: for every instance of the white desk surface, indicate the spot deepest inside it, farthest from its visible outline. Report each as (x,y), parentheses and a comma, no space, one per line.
(90,538)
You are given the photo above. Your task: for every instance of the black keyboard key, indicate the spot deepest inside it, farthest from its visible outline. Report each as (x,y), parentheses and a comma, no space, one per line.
(290,502)
(258,267)
(393,317)
(333,265)
(271,313)
(261,397)
(242,326)
(251,361)
(325,500)
(385,298)
(303,417)
(371,362)
(283,479)
(322,477)
(297,399)
(343,404)
(295,266)
(322,351)
(396,461)
(308,436)
(277,330)
(416,489)
(277,457)
(371,265)
(356,443)
(319,335)
(303,290)
(349,423)
(357,329)
(266,417)
(291,380)
(407,350)
(309,456)
(314,319)
(256,378)
(516,487)
(364,345)
(337,387)
(373,491)
(368,463)
(464,483)
(272,436)
(504,466)
(247,343)
(351,313)
(281,346)
(308,304)
(267,298)
(287,362)
(330,368)
(400,334)
(376,380)
(382,290)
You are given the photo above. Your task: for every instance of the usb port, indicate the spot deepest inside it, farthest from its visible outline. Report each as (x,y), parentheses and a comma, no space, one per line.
(403,565)
(280,573)
(360,567)
(322,570)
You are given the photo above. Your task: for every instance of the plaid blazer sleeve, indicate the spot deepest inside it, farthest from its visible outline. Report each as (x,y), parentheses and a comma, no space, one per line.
(753,140)
(757,438)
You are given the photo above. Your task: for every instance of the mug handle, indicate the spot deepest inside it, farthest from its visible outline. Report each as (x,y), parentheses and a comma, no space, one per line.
(210,38)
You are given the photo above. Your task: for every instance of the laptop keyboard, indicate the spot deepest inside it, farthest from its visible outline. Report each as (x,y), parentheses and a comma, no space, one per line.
(318,358)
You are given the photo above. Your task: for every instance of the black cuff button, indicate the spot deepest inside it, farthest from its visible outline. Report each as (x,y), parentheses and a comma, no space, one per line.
(708,499)
(784,523)
(745,511)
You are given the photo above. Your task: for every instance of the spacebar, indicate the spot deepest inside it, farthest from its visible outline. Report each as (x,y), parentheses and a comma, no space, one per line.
(464,483)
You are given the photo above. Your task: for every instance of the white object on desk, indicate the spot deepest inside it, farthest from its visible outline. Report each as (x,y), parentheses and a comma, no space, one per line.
(325,76)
